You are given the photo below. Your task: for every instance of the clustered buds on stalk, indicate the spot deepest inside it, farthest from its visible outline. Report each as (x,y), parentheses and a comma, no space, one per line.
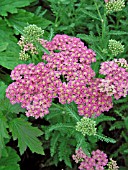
(32,33)
(86,126)
(112,165)
(114,5)
(115,47)
(31,36)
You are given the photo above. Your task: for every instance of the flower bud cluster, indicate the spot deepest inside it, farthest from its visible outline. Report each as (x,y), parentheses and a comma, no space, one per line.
(112,165)
(97,161)
(115,47)
(114,5)
(86,126)
(116,80)
(31,35)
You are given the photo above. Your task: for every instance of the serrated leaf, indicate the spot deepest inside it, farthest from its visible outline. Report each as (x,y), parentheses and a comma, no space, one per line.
(117,125)
(23,18)
(105,138)
(10,161)
(10,57)
(81,143)
(26,135)
(3,46)
(103,118)
(3,131)
(53,142)
(11,6)
(112,32)
(60,126)
(2,89)
(7,107)
(72,113)
(126,122)
(91,14)
(95,66)
(65,152)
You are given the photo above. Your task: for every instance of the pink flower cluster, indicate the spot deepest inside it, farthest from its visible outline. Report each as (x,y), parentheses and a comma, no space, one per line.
(67,76)
(34,87)
(72,59)
(116,80)
(96,162)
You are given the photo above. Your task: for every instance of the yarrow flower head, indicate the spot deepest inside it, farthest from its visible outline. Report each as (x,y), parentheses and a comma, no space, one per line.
(72,59)
(67,76)
(114,5)
(112,165)
(116,80)
(97,161)
(86,126)
(115,47)
(34,88)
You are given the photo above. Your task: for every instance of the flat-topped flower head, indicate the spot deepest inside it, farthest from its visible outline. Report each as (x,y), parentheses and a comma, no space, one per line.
(67,76)
(115,47)
(116,80)
(96,162)
(34,88)
(114,5)
(32,32)
(86,126)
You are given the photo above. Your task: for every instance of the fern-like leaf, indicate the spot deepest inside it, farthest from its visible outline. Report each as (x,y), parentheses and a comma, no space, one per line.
(117,125)
(54,143)
(105,138)
(103,118)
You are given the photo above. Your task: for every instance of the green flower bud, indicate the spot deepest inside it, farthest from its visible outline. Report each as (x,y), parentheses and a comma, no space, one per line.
(24,56)
(32,33)
(86,126)
(115,47)
(115,6)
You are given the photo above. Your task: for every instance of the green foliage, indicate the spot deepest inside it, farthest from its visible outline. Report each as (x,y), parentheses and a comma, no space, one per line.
(23,18)
(26,135)
(63,136)
(2,89)
(3,132)
(6,107)
(12,6)
(89,21)
(121,125)
(10,160)
(21,129)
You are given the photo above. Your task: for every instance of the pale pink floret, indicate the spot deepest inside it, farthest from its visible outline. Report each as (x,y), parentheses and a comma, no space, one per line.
(116,80)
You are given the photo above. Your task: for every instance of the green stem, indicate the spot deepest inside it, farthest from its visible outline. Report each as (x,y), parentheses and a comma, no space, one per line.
(58,106)
(98,12)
